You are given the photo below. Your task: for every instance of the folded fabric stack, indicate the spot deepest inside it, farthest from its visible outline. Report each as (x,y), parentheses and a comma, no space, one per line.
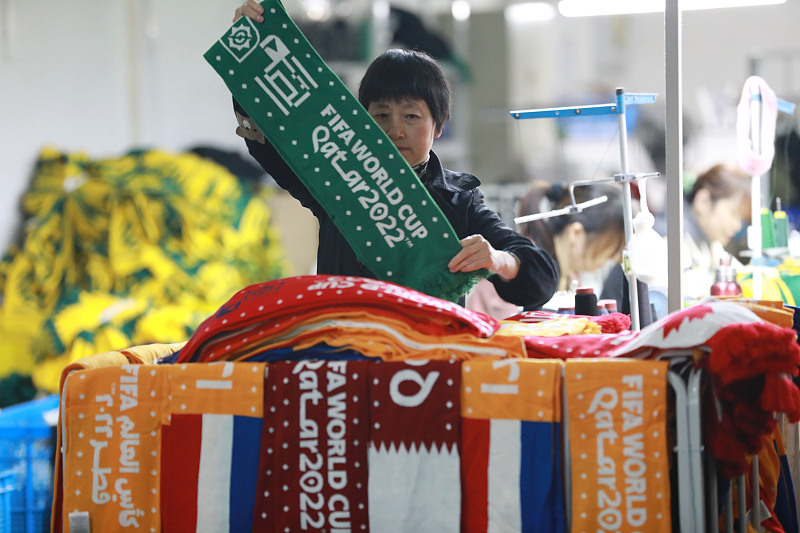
(380,406)
(374,318)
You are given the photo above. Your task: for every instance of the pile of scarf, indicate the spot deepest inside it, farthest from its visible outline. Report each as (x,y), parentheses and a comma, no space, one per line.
(364,445)
(381,405)
(380,320)
(124,251)
(747,346)
(375,318)
(752,366)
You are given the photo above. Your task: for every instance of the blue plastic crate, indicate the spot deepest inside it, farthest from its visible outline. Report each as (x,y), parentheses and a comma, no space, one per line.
(27,445)
(6,490)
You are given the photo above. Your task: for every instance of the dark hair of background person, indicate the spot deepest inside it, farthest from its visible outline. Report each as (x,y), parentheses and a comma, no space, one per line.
(721,181)
(398,75)
(596,220)
(727,181)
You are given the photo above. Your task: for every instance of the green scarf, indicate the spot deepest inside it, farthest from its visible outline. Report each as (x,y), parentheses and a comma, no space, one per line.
(339,153)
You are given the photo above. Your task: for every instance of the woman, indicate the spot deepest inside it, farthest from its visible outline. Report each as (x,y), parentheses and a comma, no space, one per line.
(581,242)
(408,96)
(713,213)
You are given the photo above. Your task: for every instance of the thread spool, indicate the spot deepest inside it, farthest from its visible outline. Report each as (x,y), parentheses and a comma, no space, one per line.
(586,302)
(610,305)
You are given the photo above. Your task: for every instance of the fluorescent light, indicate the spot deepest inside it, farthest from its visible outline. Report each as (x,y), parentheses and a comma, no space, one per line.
(460,9)
(588,8)
(591,8)
(529,12)
(716,4)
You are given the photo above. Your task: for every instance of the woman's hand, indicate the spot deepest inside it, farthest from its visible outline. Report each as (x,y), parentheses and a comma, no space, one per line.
(477,253)
(250,9)
(247,129)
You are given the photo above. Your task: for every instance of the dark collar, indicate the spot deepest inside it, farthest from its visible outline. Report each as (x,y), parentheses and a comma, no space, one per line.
(436,176)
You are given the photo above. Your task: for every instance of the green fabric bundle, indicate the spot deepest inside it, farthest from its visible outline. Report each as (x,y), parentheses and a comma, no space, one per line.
(124,251)
(339,153)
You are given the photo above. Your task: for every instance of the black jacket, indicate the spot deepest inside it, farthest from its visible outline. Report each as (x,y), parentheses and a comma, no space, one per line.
(459,198)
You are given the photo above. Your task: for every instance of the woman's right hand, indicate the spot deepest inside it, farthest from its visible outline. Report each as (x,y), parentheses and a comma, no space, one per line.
(251,9)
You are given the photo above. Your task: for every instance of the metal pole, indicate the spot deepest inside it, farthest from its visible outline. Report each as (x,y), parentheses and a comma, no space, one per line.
(755,495)
(627,210)
(741,497)
(565,452)
(755,237)
(674,149)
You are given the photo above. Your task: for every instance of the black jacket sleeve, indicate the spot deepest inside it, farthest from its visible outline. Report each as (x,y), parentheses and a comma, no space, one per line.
(538,275)
(270,160)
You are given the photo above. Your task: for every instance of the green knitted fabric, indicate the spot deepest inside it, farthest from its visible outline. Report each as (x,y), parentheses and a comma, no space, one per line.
(341,155)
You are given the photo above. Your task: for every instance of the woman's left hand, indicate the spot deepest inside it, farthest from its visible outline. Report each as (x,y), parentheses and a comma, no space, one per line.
(251,9)
(477,253)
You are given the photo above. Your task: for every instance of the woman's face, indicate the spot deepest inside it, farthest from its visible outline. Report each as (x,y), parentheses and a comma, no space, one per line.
(579,251)
(410,126)
(720,220)
(602,248)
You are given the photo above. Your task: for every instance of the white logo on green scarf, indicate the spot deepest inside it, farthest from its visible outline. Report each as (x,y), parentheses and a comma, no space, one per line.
(339,153)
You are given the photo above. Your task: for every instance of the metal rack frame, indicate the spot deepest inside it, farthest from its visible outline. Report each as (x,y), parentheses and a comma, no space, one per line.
(617,108)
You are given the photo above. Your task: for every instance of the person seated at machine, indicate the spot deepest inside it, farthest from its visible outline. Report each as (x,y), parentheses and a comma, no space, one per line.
(582,242)
(715,210)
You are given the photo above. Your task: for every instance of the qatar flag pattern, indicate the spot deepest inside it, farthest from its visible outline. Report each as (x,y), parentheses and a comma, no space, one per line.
(414,479)
(312,474)
(511,446)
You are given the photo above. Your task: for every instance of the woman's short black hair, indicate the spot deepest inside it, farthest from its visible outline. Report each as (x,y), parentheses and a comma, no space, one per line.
(398,75)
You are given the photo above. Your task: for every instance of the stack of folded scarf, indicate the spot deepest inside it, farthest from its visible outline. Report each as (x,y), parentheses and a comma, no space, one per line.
(125,251)
(374,318)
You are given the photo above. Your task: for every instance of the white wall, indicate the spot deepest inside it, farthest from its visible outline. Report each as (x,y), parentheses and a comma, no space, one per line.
(105,77)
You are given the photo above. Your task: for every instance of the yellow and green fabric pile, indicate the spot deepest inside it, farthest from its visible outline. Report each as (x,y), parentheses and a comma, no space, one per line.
(126,251)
